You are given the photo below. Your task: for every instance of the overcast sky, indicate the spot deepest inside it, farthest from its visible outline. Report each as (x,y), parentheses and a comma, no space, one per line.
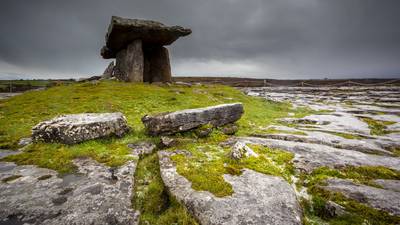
(284,39)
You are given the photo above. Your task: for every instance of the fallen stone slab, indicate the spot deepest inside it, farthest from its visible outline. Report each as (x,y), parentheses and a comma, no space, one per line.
(257,198)
(377,198)
(179,121)
(311,156)
(75,128)
(95,195)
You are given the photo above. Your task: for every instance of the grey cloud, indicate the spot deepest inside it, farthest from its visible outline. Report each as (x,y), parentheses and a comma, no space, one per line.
(259,38)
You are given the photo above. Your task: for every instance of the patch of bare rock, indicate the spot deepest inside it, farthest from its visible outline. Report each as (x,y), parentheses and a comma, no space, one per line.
(96,195)
(257,198)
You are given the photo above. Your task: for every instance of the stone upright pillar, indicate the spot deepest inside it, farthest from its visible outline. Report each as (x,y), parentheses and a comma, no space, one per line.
(130,63)
(157,67)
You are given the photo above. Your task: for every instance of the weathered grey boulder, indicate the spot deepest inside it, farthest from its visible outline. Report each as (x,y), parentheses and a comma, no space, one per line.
(75,128)
(241,150)
(167,142)
(230,129)
(142,148)
(377,198)
(169,123)
(123,31)
(258,199)
(93,196)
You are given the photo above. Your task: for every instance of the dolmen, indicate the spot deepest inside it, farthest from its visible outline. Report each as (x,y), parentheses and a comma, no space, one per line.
(184,120)
(138,47)
(76,128)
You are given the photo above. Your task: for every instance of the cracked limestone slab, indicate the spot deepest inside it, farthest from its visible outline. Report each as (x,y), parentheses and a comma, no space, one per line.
(96,195)
(322,138)
(311,156)
(257,198)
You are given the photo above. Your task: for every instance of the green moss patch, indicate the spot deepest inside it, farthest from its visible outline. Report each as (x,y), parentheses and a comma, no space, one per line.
(378,127)
(209,162)
(358,213)
(152,199)
(59,157)
(361,174)
(315,211)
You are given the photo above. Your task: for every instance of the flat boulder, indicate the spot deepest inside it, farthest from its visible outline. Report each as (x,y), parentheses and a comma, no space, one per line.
(75,128)
(257,199)
(184,120)
(122,32)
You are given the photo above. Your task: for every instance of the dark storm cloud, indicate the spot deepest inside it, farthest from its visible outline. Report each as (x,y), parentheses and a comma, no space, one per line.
(257,38)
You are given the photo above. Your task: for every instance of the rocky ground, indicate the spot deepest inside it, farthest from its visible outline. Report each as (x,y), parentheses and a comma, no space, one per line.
(338,164)
(352,127)
(345,163)
(96,194)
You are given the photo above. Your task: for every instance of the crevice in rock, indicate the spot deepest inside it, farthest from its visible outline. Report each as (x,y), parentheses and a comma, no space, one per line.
(152,199)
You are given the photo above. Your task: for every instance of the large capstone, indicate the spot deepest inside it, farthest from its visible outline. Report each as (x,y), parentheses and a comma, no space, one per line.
(179,121)
(123,31)
(75,128)
(138,48)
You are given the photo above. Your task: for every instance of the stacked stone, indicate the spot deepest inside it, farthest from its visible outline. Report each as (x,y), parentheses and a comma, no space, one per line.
(138,47)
